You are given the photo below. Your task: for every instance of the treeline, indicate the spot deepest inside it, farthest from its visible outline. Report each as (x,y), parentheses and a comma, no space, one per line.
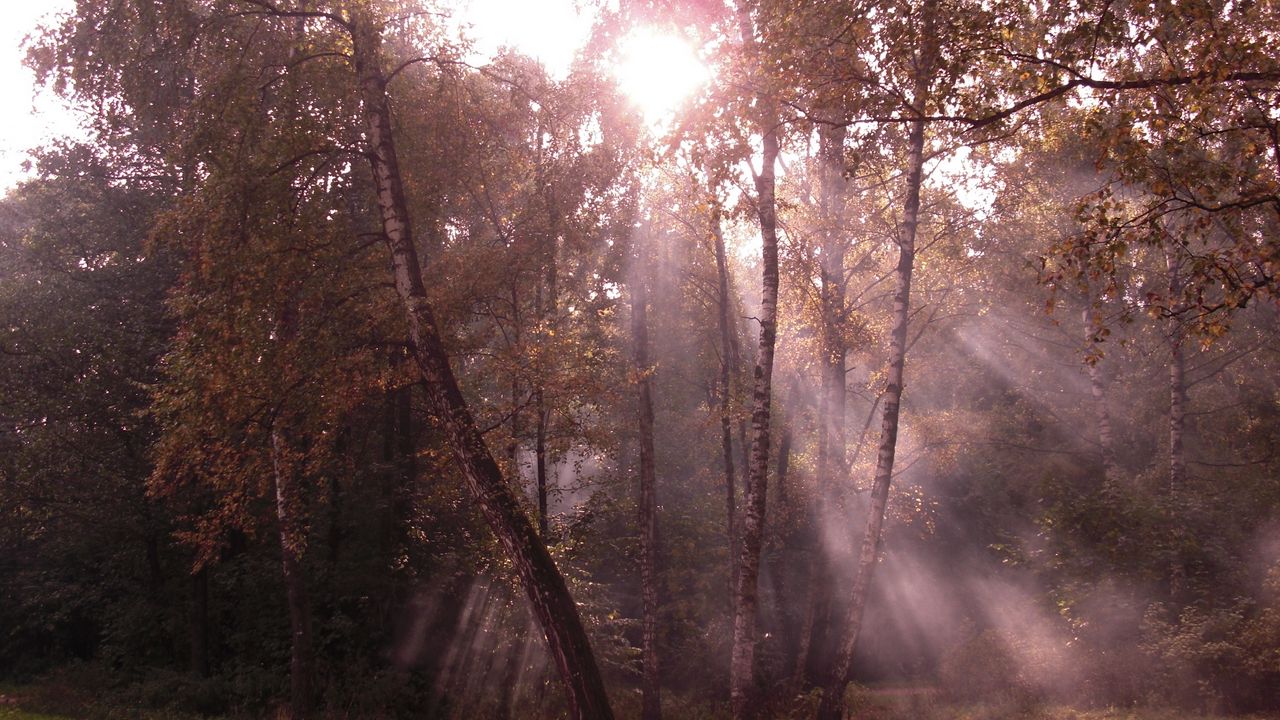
(933,343)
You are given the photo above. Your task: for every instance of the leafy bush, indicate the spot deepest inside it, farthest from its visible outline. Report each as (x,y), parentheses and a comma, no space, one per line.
(1219,658)
(981,668)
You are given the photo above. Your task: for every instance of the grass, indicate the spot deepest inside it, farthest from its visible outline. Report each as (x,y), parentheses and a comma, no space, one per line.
(13,713)
(896,704)
(12,702)
(37,701)
(57,701)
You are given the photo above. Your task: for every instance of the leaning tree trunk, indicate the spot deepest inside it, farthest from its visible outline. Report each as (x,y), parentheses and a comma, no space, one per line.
(742,659)
(545,586)
(832,705)
(651,704)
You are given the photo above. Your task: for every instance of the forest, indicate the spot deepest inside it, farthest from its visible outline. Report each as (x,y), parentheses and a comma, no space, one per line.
(922,361)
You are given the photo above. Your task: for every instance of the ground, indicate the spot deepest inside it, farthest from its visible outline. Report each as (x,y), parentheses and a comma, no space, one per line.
(29,702)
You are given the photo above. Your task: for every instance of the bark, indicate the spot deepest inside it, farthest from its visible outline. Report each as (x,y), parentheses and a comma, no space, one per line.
(390,528)
(651,705)
(831,423)
(546,321)
(198,628)
(510,677)
(728,355)
(406,450)
(292,541)
(742,660)
(540,460)
(292,533)
(1177,427)
(389,523)
(399,460)
(513,442)
(334,537)
(784,443)
(818,604)
(832,705)
(1106,443)
(778,559)
(405,474)
(155,573)
(739,369)
(1098,389)
(1177,418)
(545,586)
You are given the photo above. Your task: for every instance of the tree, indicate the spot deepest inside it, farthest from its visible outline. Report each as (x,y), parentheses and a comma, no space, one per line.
(767,123)
(176,32)
(647,504)
(88,569)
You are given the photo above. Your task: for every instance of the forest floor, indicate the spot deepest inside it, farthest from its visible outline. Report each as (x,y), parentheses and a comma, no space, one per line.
(926,704)
(57,702)
(12,701)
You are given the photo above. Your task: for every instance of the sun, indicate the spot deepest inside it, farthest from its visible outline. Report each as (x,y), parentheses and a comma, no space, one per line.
(658,71)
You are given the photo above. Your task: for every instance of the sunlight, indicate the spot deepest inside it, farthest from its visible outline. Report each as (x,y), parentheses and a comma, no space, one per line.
(33,116)
(551,32)
(658,71)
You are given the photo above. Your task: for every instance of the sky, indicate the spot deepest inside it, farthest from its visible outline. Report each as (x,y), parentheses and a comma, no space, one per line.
(551,30)
(657,70)
(27,119)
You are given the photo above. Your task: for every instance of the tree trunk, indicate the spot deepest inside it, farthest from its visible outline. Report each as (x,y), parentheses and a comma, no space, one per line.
(742,660)
(292,542)
(540,456)
(832,705)
(1177,427)
(292,533)
(545,586)
(778,559)
(406,450)
(1098,389)
(198,628)
(728,356)
(784,443)
(546,322)
(540,420)
(513,442)
(1106,445)
(651,704)
(831,420)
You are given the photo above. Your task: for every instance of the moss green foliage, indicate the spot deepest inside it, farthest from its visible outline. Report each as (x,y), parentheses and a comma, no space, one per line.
(10,713)
(917,703)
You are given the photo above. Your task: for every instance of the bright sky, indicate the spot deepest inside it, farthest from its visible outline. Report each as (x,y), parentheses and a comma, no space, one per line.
(26,120)
(550,30)
(657,71)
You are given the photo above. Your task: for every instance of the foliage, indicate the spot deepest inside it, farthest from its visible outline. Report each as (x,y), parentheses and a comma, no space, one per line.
(196,311)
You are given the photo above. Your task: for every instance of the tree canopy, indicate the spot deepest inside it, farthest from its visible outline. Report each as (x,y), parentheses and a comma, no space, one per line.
(928,345)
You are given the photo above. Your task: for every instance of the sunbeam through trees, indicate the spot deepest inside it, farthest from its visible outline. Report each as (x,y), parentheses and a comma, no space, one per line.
(874,359)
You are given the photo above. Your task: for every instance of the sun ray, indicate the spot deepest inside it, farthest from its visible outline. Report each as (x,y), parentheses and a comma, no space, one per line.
(658,71)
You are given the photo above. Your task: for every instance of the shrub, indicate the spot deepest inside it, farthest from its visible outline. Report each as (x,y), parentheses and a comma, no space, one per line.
(981,668)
